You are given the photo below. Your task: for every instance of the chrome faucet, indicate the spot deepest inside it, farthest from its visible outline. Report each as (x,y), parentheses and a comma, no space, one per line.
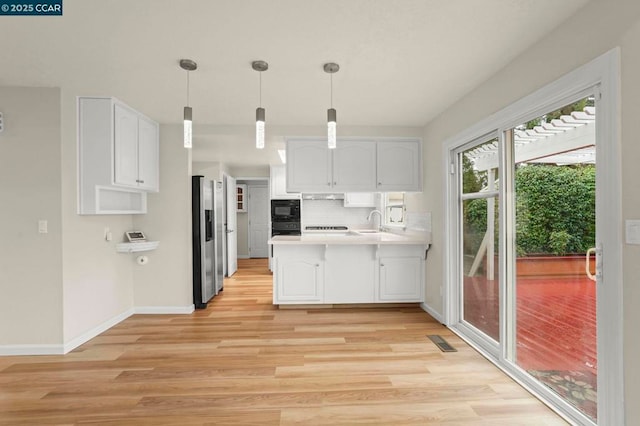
(371,216)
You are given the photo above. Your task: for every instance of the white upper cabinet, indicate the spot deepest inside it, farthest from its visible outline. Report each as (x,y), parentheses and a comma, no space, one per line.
(278,183)
(354,166)
(118,157)
(399,166)
(125,146)
(148,155)
(308,166)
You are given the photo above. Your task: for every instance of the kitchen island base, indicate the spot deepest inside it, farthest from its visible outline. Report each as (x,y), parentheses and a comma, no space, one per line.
(343,274)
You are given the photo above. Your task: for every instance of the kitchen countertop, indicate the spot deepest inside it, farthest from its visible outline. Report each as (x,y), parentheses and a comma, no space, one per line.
(353,237)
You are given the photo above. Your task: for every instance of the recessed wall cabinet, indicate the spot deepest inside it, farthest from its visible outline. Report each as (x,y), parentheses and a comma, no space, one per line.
(118,157)
(241,198)
(372,165)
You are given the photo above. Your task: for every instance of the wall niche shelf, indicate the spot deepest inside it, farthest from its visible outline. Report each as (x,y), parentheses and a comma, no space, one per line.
(137,246)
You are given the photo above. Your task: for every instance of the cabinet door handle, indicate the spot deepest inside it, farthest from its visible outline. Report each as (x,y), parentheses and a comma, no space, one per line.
(317,265)
(141,181)
(379,183)
(334,183)
(382,264)
(328,183)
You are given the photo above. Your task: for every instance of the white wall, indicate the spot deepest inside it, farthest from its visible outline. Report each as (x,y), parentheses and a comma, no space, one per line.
(97,281)
(30,263)
(166,281)
(597,28)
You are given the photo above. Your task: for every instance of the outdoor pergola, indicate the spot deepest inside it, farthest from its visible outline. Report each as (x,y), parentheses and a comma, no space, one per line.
(569,139)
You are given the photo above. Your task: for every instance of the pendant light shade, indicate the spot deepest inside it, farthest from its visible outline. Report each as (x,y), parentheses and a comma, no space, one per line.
(188,127)
(331,68)
(259,128)
(188,65)
(260,66)
(331,128)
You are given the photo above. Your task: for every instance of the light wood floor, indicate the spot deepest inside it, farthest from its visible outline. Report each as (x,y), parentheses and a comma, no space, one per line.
(244,362)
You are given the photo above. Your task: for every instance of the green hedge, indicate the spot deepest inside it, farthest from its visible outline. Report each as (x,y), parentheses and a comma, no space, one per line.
(555,209)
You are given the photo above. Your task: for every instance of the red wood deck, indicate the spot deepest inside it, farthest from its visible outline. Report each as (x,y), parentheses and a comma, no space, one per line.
(556,320)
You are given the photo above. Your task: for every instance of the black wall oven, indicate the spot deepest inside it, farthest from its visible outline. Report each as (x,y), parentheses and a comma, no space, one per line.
(285,217)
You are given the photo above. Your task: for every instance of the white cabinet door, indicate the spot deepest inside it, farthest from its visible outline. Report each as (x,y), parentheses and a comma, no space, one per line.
(125,147)
(350,273)
(298,280)
(308,166)
(360,199)
(148,155)
(278,184)
(354,166)
(399,166)
(401,279)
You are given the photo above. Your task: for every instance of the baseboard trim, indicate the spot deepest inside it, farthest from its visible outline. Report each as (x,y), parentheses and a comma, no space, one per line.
(243,256)
(22,350)
(25,350)
(164,310)
(432,312)
(88,335)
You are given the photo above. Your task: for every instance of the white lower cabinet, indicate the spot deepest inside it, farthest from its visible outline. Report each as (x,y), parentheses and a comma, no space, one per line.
(336,273)
(401,279)
(350,273)
(298,275)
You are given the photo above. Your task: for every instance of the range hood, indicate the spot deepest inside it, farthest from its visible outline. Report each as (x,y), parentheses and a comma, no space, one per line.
(329,196)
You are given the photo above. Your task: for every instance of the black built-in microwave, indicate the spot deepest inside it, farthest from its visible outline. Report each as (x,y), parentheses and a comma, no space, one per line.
(285,210)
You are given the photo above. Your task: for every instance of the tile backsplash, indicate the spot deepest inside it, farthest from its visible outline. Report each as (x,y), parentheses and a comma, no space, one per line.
(333,212)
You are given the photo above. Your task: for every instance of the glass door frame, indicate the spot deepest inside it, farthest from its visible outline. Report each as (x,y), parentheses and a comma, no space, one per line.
(599,77)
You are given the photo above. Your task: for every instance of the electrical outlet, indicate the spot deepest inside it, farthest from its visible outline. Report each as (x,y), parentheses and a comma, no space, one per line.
(43,226)
(107,234)
(632,231)
(1,122)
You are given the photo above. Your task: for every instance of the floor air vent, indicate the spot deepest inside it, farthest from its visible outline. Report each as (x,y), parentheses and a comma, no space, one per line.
(441,343)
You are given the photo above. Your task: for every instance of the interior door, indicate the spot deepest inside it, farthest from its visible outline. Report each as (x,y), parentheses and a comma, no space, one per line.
(258,221)
(232,227)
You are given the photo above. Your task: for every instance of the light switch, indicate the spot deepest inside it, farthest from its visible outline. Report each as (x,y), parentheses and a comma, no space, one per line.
(43,226)
(632,231)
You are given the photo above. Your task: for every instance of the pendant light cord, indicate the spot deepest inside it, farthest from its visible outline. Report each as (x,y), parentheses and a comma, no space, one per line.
(188,88)
(331,90)
(260,102)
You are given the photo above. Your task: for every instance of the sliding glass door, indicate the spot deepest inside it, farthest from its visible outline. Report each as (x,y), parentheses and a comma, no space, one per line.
(525,203)
(554,185)
(479,232)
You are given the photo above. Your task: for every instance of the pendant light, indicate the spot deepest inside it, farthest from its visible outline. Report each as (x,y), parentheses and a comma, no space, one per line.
(260,66)
(188,65)
(331,68)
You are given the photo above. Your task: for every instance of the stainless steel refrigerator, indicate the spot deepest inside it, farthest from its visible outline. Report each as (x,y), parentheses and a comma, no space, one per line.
(207,222)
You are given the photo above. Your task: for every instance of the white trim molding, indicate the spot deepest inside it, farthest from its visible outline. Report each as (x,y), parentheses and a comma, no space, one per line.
(23,350)
(164,310)
(436,315)
(63,349)
(600,77)
(90,334)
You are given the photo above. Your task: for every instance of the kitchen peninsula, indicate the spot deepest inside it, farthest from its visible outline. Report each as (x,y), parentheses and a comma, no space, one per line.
(364,266)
